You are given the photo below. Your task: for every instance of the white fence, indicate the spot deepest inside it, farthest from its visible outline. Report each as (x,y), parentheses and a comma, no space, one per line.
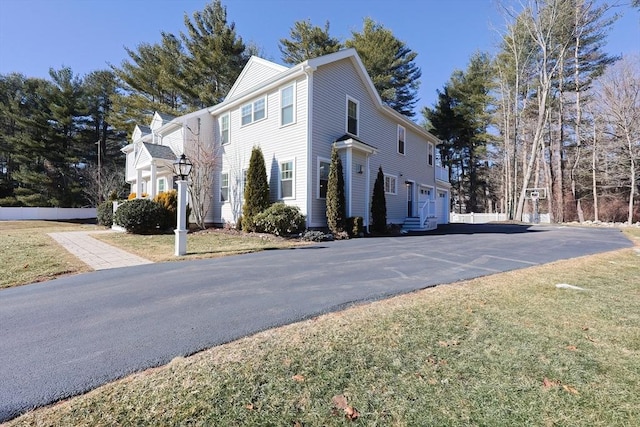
(12,214)
(481,218)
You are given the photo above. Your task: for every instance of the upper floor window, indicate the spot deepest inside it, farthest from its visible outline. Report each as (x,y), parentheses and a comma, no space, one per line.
(224,187)
(430,154)
(353,114)
(286,106)
(390,184)
(286,179)
(401,138)
(253,112)
(224,129)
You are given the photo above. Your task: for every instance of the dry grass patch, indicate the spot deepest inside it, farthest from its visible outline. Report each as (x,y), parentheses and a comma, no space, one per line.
(506,349)
(28,254)
(211,243)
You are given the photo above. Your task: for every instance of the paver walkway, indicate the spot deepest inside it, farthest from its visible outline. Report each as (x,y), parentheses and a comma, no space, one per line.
(96,254)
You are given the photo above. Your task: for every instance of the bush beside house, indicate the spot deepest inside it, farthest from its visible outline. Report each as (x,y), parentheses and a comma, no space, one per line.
(280,219)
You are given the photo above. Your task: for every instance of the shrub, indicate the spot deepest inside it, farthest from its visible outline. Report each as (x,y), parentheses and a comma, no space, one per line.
(280,219)
(168,200)
(355,226)
(104,213)
(256,190)
(133,196)
(335,200)
(379,205)
(140,216)
(316,236)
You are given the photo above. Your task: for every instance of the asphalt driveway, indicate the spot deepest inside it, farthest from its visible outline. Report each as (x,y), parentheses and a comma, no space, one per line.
(67,336)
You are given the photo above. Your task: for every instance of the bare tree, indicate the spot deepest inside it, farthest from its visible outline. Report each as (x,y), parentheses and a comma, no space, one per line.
(98,185)
(203,154)
(619,103)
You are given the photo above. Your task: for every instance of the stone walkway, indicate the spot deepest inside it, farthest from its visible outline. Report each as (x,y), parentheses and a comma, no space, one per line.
(96,254)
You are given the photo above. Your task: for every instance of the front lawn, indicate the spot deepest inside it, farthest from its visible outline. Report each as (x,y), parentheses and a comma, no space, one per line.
(28,254)
(507,349)
(210,243)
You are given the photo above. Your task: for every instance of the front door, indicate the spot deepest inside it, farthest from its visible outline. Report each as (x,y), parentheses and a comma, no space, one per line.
(409,199)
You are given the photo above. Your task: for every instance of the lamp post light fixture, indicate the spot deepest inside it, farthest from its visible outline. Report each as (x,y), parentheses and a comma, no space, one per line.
(182,169)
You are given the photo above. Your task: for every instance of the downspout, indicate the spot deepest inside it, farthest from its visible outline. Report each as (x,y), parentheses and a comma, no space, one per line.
(349,160)
(367,198)
(308,71)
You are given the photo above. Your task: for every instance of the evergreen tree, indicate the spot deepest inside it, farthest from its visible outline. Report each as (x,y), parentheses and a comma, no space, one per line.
(216,55)
(307,41)
(256,190)
(379,205)
(390,64)
(336,205)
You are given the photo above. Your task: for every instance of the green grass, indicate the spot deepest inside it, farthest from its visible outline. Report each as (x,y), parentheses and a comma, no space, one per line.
(28,254)
(211,243)
(507,349)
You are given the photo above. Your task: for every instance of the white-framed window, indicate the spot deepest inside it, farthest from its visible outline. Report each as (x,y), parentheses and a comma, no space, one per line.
(430,154)
(353,116)
(224,187)
(162,185)
(323,176)
(254,111)
(390,184)
(286,179)
(287,107)
(401,139)
(224,129)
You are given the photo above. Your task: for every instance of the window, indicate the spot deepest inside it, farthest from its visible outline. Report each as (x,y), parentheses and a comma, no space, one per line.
(162,185)
(390,184)
(286,179)
(352,116)
(224,129)
(224,187)
(430,154)
(401,136)
(323,177)
(286,106)
(253,112)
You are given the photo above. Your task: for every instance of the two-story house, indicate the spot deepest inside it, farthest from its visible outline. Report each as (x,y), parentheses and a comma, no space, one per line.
(296,115)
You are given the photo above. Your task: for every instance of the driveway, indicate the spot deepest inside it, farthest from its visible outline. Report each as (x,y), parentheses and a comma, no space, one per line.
(67,336)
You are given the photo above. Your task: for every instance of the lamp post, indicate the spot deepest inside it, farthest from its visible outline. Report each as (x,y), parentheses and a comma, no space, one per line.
(182,169)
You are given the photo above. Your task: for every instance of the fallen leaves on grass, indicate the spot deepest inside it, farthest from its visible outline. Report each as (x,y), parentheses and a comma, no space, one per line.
(298,378)
(340,402)
(572,348)
(547,384)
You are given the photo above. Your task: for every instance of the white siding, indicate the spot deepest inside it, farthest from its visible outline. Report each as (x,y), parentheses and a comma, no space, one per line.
(332,84)
(256,72)
(277,144)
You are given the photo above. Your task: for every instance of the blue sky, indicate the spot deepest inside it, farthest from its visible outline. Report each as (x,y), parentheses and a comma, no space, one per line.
(87,35)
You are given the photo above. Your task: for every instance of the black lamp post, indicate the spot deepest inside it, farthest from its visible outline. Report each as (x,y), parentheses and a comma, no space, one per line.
(182,169)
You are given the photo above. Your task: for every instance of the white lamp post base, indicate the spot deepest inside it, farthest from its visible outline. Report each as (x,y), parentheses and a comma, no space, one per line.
(181,232)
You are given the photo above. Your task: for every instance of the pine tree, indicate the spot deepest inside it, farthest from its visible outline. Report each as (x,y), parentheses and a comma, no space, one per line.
(216,55)
(256,190)
(336,205)
(379,205)
(306,42)
(390,64)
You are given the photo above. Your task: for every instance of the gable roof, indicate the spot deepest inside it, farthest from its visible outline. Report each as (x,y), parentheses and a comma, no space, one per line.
(254,71)
(279,74)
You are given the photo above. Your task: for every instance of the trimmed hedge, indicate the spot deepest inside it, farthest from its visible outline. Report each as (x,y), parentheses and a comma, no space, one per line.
(140,216)
(104,213)
(280,219)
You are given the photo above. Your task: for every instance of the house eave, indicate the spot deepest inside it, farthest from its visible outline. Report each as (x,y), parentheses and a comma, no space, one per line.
(355,144)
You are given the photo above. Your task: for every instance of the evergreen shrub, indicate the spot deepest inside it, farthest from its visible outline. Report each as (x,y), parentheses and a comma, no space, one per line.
(104,213)
(140,216)
(355,226)
(280,219)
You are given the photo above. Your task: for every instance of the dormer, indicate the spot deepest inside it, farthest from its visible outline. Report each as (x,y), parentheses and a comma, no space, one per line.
(255,72)
(160,119)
